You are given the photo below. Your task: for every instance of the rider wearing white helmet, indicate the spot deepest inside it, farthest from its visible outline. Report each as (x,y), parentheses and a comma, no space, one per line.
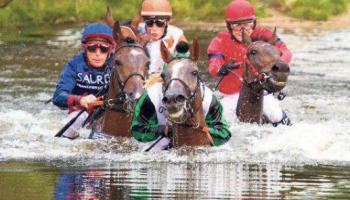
(156,15)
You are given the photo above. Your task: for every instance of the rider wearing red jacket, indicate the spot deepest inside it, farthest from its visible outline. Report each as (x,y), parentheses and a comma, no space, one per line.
(227,47)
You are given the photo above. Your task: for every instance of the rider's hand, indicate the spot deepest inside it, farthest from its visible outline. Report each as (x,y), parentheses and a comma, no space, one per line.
(84,101)
(223,71)
(168,131)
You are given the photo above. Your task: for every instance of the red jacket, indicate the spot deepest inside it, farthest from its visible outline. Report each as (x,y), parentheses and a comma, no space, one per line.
(223,48)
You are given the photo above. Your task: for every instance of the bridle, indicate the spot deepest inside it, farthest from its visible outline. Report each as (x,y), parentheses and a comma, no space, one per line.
(121,98)
(259,78)
(191,94)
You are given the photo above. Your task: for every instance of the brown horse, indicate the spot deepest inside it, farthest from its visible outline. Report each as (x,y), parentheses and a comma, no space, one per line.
(263,71)
(183,93)
(129,70)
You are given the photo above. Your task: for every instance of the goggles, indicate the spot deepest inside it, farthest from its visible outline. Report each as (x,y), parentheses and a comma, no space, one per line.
(159,23)
(91,47)
(240,26)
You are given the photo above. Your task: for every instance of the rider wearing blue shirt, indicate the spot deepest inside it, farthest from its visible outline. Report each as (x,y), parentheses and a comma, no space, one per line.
(86,74)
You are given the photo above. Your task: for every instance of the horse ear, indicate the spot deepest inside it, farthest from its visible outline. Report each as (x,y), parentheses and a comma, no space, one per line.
(109,18)
(166,55)
(246,39)
(195,49)
(117,33)
(135,22)
(272,39)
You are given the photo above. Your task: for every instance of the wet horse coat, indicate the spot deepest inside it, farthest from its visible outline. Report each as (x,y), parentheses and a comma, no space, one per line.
(264,71)
(128,73)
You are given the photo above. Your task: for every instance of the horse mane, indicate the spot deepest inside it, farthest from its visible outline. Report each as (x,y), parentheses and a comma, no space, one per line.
(153,79)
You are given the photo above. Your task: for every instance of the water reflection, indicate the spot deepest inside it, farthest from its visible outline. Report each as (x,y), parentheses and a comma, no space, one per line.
(202,181)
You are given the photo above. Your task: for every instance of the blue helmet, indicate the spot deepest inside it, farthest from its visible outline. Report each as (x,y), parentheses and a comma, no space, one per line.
(97,32)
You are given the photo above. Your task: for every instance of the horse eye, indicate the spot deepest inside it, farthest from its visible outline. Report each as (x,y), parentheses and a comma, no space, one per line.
(253,52)
(148,64)
(117,62)
(194,73)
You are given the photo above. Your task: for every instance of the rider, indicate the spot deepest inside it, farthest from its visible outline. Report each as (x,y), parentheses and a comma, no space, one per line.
(156,15)
(85,75)
(149,123)
(227,47)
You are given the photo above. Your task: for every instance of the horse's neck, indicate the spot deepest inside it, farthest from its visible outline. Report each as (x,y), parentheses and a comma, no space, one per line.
(249,107)
(197,106)
(113,91)
(192,133)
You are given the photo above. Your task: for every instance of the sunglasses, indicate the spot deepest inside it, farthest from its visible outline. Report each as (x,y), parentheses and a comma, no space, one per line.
(105,48)
(159,23)
(239,26)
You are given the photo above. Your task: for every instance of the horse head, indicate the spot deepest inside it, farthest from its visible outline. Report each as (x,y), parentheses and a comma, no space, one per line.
(130,62)
(263,67)
(181,82)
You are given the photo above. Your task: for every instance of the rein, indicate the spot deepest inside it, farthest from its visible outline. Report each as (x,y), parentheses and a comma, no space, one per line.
(261,78)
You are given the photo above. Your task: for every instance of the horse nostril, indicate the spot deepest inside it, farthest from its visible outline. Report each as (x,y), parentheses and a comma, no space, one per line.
(131,95)
(275,69)
(165,100)
(287,69)
(180,99)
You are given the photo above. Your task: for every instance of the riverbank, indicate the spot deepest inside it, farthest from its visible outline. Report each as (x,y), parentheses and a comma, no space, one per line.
(275,18)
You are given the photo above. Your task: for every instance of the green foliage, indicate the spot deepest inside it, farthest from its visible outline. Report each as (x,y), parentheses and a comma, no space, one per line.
(39,12)
(317,10)
(277,4)
(31,13)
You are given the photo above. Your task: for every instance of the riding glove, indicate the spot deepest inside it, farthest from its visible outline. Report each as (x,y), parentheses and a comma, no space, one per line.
(223,71)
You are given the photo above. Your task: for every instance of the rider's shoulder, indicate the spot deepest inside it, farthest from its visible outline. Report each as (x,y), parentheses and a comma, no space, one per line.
(225,34)
(174,31)
(262,31)
(77,60)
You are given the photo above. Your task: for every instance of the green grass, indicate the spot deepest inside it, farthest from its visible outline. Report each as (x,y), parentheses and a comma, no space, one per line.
(38,13)
(317,10)
(21,13)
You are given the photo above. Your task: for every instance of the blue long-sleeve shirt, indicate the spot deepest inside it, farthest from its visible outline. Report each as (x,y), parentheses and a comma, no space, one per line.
(77,78)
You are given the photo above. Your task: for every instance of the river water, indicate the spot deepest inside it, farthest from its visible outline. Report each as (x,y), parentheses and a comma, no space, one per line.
(309,160)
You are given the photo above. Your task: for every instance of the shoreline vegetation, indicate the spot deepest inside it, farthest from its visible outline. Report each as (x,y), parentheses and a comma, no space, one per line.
(37,20)
(29,13)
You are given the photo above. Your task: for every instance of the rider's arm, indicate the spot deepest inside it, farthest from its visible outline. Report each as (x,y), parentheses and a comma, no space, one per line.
(215,56)
(144,125)
(218,128)
(63,95)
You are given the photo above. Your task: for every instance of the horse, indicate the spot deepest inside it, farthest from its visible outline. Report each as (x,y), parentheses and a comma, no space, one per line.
(129,70)
(263,71)
(183,94)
